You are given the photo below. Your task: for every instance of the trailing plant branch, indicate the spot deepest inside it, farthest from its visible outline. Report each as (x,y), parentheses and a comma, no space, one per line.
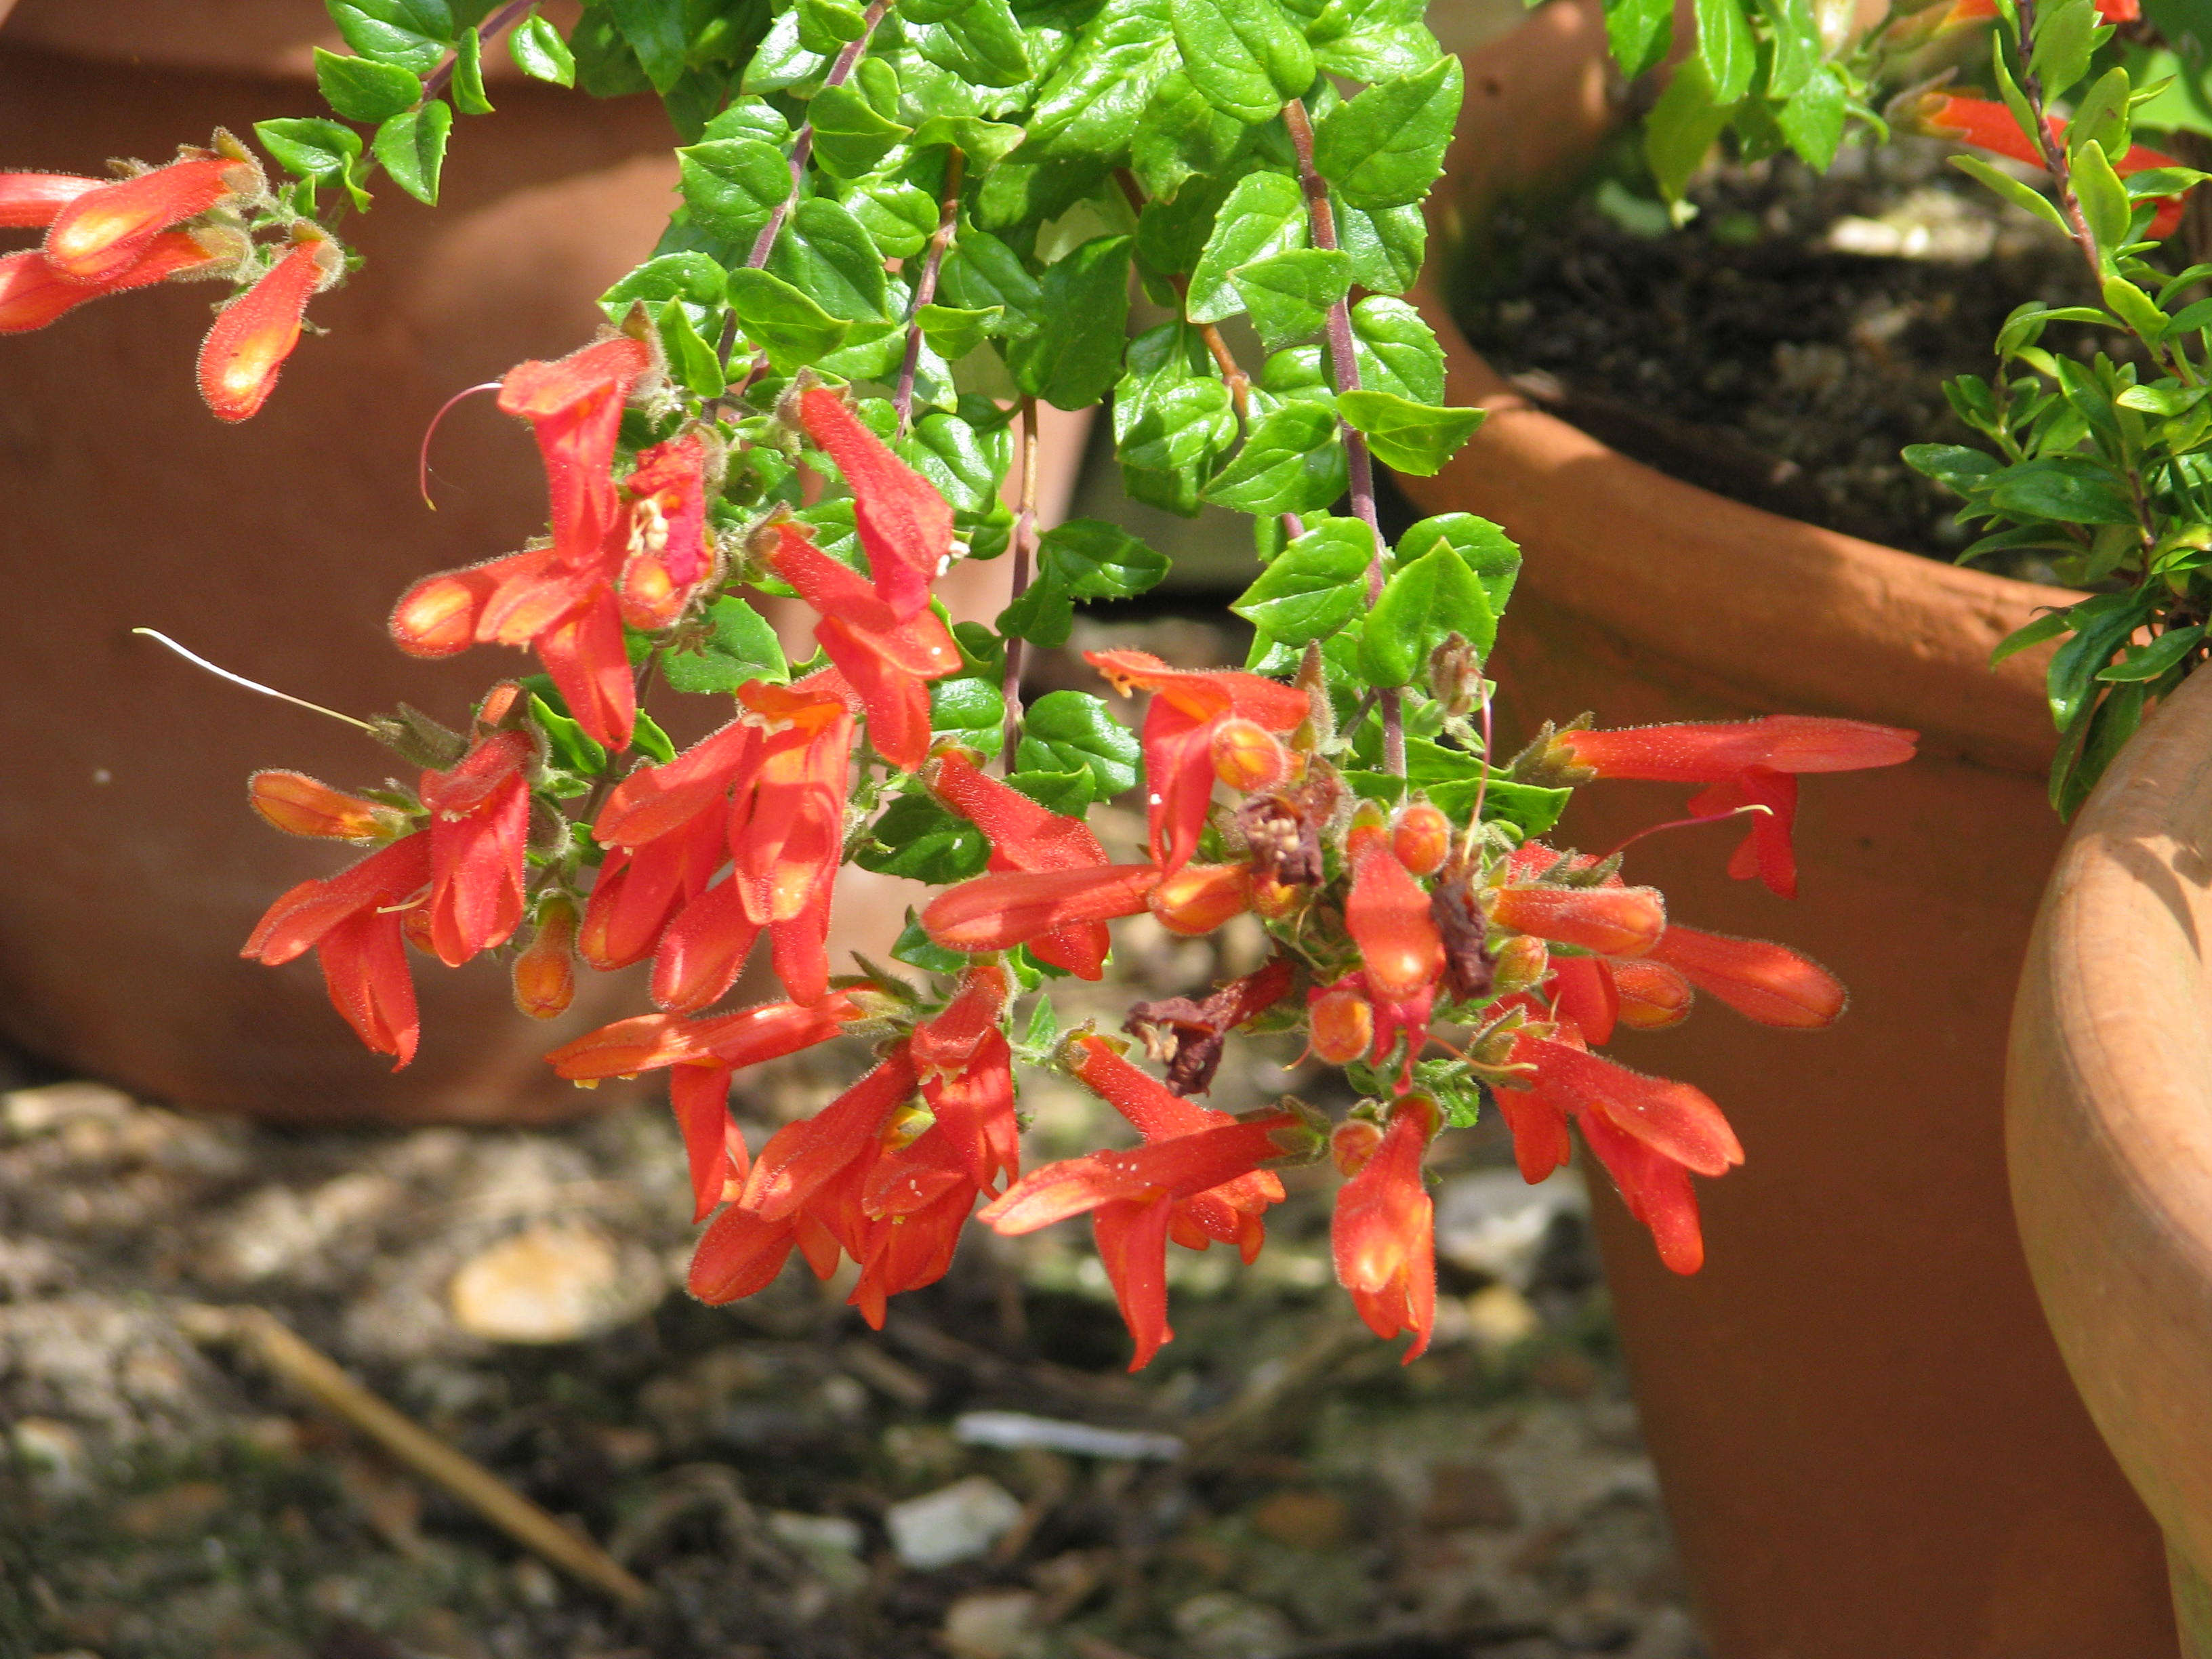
(802,144)
(924,290)
(1023,553)
(435,82)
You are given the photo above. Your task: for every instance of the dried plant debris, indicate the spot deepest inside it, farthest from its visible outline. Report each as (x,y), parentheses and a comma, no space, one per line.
(981,1480)
(1784,345)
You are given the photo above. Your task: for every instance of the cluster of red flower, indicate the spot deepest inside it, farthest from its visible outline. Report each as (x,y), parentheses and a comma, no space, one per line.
(182,222)
(1384,926)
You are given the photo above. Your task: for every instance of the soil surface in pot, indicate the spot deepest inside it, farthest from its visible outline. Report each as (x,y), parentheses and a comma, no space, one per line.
(1789,341)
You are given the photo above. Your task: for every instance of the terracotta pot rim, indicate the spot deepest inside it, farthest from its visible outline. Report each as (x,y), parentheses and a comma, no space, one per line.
(1871,631)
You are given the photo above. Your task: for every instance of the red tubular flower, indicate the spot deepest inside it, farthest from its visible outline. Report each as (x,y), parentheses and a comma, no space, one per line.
(1651,996)
(1198,898)
(1585,990)
(1615,921)
(888,661)
(787,825)
(905,525)
(352,922)
(701,951)
(639,892)
(966,1068)
(669,557)
(97,234)
(1674,1119)
(1656,1189)
(479,824)
(1989,125)
(652,1042)
(801,1158)
(32,295)
(545,973)
(1389,917)
(998,912)
(1768,851)
(252,336)
(1770,983)
(574,407)
(1025,836)
(1383,1233)
(655,801)
(30,200)
(1179,1167)
(300,805)
(1188,710)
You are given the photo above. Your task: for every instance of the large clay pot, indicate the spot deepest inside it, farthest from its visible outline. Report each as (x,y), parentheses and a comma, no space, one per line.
(1866,1438)
(2108,1114)
(274,548)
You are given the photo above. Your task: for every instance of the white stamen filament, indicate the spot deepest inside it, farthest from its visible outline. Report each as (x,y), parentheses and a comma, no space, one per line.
(195,658)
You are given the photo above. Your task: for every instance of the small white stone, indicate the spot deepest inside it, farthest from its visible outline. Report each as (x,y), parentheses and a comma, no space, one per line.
(1494,1223)
(954,1524)
(991,1625)
(553,1283)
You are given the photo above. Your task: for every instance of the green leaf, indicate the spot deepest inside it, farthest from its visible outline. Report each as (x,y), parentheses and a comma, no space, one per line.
(850,137)
(2105,205)
(1068,793)
(1181,136)
(2066,33)
(1071,731)
(1794,33)
(1074,355)
(733,186)
(691,277)
(900,218)
(2069,489)
(970,711)
(363,90)
(1289,295)
(1371,40)
(2134,307)
(913,947)
(964,463)
(411,34)
(2021,196)
(1095,560)
(2048,626)
(825,26)
(954,331)
(1681,128)
(468,76)
(310,149)
(691,361)
(1265,215)
(824,252)
(983,44)
(1313,586)
(1813,121)
(1043,1029)
(749,117)
(605,65)
(1182,427)
(1387,246)
(412,148)
(566,745)
(2101,625)
(1292,462)
(737,646)
(2117,716)
(1407,436)
(655,32)
(1397,350)
(983,274)
(1640,32)
(1385,148)
(540,53)
(1424,602)
(2161,654)
(1487,551)
(1244,55)
(650,741)
(1954,466)
(1725,48)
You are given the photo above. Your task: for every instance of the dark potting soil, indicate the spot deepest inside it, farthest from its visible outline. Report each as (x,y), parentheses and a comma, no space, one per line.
(1787,343)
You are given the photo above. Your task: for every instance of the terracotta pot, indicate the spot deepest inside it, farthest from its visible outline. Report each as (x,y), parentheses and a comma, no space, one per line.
(2108,1116)
(1868,1443)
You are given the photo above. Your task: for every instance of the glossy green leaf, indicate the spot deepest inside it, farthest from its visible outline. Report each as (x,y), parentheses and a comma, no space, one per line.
(964,463)
(982,273)
(1292,462)
(737,645)
(1725,47)
(311,148)
(851,139)
(1244,55)
(1424,602)
(2071,489)
(1074,356)
(468,76)
(1289,295)
(412,148)
(540,53)
(1068,731)
(824,252)
(918,839)
(362,89)
(1385,148)
(1493,557)
(411,34)
(2067,32)
(655,32)
(733,186)
(2101,625)
(2161,654)
(983,45)
(691,361)
(1314,585)
(2022,196)
(1179,137)
(691,277)
(1387,246)
(783,321)
(1681,128)
(1407,436)
(1795,34)
(2049,626)
(1371,40)
(2105,204)
(1265,215)
(969,711)
(913,947)
(1813,121)
(825,26)
(1068,793)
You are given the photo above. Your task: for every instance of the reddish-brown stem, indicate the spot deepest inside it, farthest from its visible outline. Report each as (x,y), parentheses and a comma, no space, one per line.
(802,148)
(1344,374)
(1024,537)
(925,288)
(434,83)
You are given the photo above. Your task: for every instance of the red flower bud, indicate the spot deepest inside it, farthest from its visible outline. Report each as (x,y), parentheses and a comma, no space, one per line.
(1614,921)
(1422,839)
(1340,1025)
(545,972)
(1353,1143)
(243,353)
(300,805)
(1246,756)
(100,233)
(1199,897)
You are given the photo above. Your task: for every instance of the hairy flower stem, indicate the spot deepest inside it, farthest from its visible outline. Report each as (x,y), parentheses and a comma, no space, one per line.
(1024,538)
(803,147)
(1344,374)
(925,289)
